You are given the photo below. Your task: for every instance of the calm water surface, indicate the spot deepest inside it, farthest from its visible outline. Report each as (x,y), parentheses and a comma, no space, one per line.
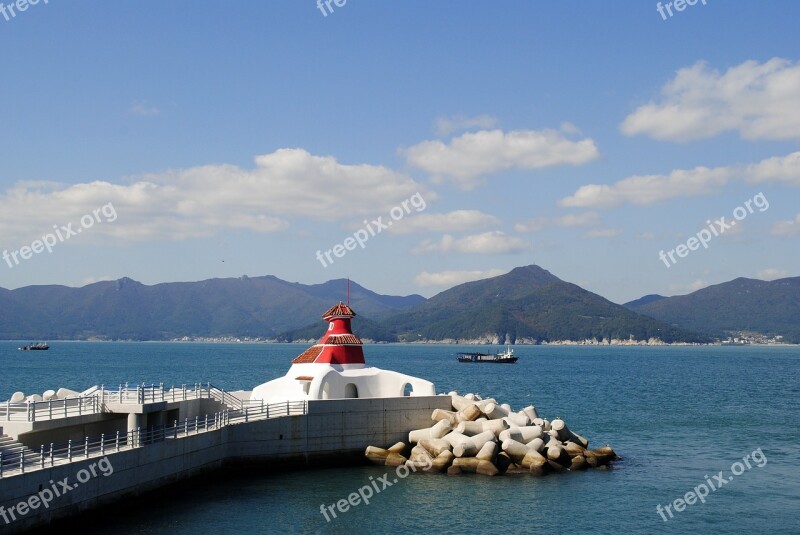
(675,415)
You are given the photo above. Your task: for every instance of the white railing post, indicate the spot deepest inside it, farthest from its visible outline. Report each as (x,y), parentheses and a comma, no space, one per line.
(102,444)
(41,456)
(196,426)
(138,437)
(69,450)
(117,442)
(185,426)
(22,462)
(175,429)
(52,459)
(86,447)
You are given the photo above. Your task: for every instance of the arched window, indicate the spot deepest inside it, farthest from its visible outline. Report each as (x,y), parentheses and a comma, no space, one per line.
(350,391)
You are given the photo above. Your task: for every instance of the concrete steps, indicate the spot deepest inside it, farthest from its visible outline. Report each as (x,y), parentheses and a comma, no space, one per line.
(11,451)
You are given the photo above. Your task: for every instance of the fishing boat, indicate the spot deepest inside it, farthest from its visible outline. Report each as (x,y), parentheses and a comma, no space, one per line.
(41,346)
(506,357)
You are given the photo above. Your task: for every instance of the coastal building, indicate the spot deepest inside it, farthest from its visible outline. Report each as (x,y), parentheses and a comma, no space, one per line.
(129,440)
(335,368)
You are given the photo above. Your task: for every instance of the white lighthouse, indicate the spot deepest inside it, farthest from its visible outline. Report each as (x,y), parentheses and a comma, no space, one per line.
(334,368)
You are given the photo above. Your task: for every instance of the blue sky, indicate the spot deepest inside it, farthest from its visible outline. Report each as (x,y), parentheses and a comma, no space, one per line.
(240,138)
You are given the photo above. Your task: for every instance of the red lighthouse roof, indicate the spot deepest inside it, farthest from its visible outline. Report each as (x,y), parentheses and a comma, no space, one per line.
(339,310)
(338,345)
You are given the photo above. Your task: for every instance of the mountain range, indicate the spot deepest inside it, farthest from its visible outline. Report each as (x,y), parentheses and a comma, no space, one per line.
(771,308)
(526,305)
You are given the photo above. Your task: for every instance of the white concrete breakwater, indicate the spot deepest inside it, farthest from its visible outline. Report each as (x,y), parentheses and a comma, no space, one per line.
(482,436)
(328,431)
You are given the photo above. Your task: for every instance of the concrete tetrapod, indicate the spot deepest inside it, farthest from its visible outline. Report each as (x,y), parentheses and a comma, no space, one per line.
(478,427)
(517,420)
(472,445)
(442,461)
(530,412)
(376,455)
(441,414)
(400,447)
(468,414)
(460,402)
(437,431)
(522,434)
(435,446)
(487,452)
(564,434)
(476,466)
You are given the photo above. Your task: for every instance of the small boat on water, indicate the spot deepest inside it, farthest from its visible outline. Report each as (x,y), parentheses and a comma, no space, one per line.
(506,357)
(41,346)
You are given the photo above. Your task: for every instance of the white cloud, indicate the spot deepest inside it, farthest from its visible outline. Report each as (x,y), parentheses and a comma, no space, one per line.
(650,189)
(759,100)
(569,128)
(468,157)
(456,221)
(536,224)
(144,109)
(770,274)
(780,169)
(579,220)
(453,278)
(447,125)
(786,228)
(602,233)
(200,201)
(584,219)
(496,242)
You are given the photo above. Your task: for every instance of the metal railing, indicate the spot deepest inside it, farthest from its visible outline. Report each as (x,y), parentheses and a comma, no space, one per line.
(21,459)
(96,401)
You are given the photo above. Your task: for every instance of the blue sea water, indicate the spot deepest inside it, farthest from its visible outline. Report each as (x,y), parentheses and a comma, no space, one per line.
(676,415)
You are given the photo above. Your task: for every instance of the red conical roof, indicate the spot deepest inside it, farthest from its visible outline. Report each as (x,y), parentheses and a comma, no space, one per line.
(339,310)
(338,345)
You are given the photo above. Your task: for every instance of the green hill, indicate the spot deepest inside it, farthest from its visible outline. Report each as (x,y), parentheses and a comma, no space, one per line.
(741,305)
(528,303)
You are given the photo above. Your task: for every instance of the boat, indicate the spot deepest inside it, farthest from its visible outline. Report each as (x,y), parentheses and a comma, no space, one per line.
(506,357)
(41,346)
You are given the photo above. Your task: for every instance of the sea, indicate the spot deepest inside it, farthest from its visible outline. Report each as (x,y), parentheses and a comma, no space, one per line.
(727,418)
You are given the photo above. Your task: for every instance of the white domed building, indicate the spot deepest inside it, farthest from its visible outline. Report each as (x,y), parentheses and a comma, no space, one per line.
(334,368)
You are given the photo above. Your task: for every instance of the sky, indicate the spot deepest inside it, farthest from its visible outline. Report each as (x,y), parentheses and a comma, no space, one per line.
(410,146)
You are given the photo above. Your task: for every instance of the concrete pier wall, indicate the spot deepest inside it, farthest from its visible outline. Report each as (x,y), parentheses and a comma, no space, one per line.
(339,429)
